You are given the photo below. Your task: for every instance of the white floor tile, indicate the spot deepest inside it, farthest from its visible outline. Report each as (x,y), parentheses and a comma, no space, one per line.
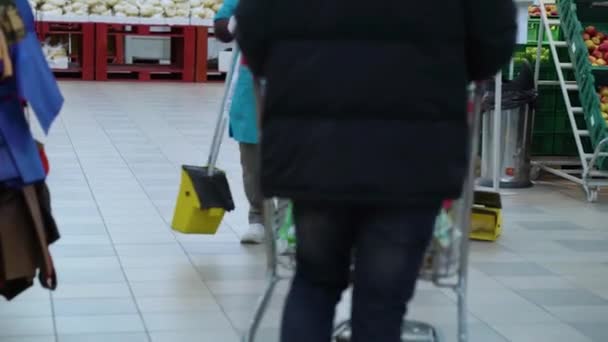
(116,154)
(74,325)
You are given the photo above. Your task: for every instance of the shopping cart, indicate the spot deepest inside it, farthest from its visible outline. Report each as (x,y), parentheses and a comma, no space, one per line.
(445,264)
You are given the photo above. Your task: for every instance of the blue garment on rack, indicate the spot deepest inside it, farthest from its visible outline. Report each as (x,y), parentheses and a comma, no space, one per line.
(34,82)
(20,146)
(8,170)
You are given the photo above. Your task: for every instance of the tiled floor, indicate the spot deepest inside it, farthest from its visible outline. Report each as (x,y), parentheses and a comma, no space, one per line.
(125,277)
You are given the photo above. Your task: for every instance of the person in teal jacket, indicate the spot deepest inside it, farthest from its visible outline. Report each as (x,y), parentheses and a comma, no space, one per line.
(243,127)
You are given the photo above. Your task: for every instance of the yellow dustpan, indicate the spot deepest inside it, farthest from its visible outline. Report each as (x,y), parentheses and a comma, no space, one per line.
(486,220)
(202,201)
(204,194)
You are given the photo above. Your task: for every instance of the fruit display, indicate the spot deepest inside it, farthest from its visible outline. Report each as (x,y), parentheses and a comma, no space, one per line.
(534,11)
(530,53)
(603,96)
(203,9)
(597,45)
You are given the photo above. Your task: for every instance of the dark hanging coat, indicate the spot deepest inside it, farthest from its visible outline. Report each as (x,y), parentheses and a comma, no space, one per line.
(366,100)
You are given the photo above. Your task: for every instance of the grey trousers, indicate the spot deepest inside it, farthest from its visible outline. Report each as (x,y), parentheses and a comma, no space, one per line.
(250,162)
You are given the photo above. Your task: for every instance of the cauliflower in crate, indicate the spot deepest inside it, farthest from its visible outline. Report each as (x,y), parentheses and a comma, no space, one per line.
(100,9)
(124,9)
(76,8)
(205,9)
(151,9)
(50,9)
(175,8)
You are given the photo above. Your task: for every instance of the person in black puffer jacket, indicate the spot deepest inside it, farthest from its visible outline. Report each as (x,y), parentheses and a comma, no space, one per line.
(364,129)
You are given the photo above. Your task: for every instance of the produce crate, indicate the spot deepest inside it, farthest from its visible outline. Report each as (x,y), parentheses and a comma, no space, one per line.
(598,129)
(533,28)
(544,123)
(542,144)
(564,144)
(573,19)
(182,53)
(546,101)
(81,37)
(598,17)
(562,122)
(560,104)
(528,52)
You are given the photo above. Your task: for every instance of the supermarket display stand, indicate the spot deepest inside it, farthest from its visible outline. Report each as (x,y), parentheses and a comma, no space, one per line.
(183,54)
(203,33)
(93,61)
(201,67)
(84,66)
(589,175)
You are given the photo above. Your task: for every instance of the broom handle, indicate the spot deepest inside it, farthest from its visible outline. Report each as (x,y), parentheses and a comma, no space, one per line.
(222,119)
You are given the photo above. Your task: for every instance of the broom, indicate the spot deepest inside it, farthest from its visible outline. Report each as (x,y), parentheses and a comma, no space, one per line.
(204,192)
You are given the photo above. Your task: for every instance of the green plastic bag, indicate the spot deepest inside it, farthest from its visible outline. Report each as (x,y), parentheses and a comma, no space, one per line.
(443,230)
(287,233)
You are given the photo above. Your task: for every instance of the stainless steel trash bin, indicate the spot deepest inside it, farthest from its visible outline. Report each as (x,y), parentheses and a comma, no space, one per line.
(515,136)
(514,140)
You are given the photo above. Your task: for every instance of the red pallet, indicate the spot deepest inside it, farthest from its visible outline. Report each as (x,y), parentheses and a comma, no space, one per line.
(83,60)
(202,54)
(182,54)
(203,72)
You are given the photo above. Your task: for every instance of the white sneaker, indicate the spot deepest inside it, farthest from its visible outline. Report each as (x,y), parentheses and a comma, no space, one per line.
(253,235)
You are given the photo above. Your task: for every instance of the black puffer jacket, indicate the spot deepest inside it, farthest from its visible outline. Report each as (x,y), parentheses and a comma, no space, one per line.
(365,100)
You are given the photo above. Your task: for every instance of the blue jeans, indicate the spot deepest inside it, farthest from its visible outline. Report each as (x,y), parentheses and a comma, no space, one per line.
(388,245)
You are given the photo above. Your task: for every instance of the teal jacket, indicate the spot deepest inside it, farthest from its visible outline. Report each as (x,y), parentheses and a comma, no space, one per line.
(243,117)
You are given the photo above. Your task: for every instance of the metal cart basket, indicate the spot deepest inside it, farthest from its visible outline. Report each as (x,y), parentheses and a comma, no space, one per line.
(445,265)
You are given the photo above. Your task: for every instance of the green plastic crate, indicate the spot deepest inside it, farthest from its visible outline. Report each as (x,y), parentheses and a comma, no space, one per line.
(534,26)
(545,103)
(560,104)
(544,124)
(598,129)
(598,17)
(574,20)
(542,144)
(562,122)
(572,26)
(564,145)
(547,67)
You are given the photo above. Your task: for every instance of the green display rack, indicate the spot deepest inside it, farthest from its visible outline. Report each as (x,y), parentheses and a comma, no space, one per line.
(574,17)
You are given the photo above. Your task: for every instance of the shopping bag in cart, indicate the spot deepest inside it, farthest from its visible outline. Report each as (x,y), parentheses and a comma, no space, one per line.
(444,236)
(286,235)
(440,253)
